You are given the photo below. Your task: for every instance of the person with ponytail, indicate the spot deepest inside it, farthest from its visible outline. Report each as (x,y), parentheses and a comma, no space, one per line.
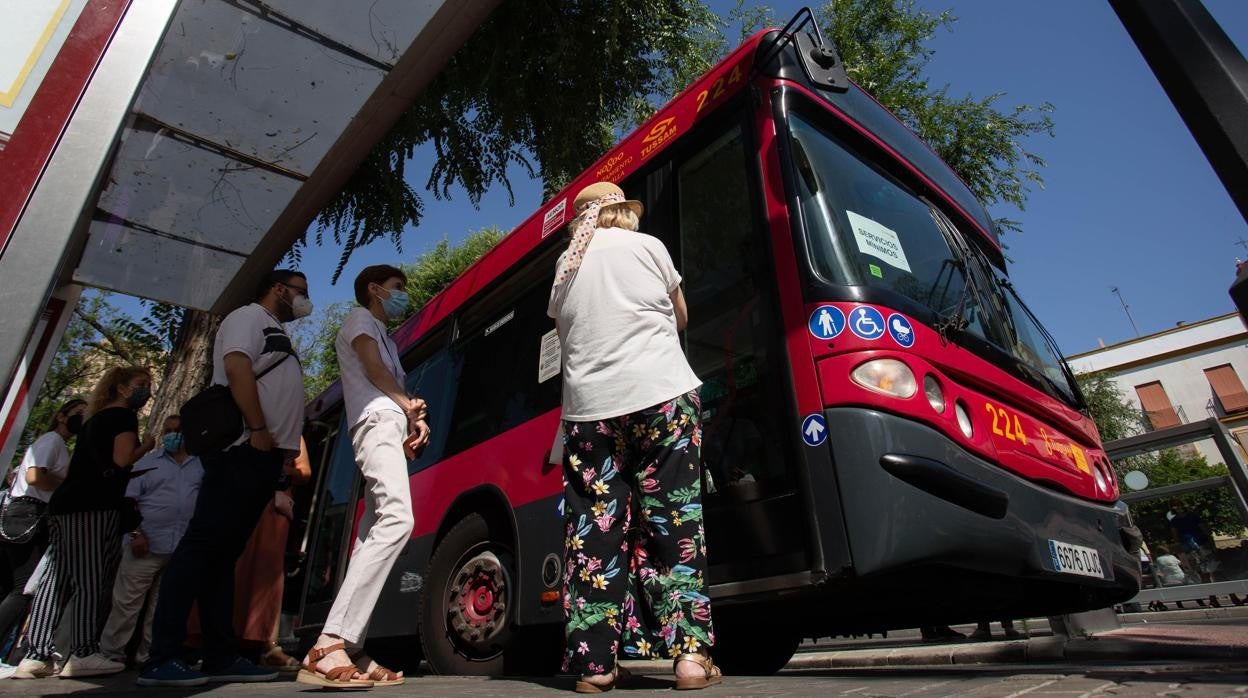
(84,533)
(23,528)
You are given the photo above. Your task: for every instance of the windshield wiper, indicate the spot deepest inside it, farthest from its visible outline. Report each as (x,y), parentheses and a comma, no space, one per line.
(948,323)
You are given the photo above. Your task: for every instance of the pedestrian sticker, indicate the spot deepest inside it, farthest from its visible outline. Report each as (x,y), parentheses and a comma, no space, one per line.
(866,322)
(814,430)
(901,330)
(878,241)
(826,322)
(876,271)
(548,358)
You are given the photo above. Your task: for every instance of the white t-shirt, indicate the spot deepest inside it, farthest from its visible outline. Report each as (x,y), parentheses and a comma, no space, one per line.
(48,452)
(617,327)
(362,397)
(258,334)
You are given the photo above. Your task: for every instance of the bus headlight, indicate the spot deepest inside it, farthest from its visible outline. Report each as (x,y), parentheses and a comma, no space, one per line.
(964,419)
(888,376)
(935,396)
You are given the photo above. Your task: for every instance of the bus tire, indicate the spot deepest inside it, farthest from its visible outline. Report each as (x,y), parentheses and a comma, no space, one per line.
(738,652)
(466,605)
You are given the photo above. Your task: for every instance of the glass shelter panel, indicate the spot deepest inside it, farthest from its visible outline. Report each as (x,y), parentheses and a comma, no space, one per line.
(1186,506)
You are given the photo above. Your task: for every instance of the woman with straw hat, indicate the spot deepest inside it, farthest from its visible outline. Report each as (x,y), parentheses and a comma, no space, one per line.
(632,434)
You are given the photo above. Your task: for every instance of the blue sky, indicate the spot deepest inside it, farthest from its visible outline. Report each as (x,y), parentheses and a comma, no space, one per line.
(1129,200)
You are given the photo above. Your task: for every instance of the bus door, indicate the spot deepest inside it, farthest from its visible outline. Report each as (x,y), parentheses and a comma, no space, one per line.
(755,520)
(329,527)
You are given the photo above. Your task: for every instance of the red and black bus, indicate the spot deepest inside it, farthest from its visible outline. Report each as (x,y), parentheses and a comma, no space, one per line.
(895,439)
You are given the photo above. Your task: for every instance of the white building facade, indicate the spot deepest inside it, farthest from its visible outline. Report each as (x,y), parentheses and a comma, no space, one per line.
(1182,375)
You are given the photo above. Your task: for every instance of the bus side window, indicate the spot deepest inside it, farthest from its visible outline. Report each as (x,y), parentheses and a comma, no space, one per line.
(498,384)
(431,380)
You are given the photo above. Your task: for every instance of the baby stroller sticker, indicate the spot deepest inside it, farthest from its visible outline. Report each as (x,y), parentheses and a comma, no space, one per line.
(901,330)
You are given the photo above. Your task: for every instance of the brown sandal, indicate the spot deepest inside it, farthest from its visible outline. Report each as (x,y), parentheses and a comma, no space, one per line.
(380,675)
(713,674)
(619,675)
(338,677)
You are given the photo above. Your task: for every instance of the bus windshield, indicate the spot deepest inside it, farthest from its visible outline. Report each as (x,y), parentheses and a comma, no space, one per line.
(866,228)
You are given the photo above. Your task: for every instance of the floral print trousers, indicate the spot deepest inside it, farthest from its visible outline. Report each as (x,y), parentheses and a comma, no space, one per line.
(635,551)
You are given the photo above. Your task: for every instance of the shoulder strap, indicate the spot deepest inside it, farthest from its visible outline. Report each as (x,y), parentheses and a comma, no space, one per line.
(265,372)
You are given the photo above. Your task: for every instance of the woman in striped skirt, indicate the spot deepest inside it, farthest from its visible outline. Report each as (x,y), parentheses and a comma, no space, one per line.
(84,529)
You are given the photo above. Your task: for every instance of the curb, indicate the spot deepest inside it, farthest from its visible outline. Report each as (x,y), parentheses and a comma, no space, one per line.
(1007,652)
(1181,614)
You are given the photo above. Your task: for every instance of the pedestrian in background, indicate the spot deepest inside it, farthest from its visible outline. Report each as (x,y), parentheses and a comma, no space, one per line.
(164,487)
(632,429)
(84,529)
(381,415)
(23,528)
(238,484)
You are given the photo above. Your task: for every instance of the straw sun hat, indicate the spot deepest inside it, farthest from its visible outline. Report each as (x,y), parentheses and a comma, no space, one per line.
(598,190)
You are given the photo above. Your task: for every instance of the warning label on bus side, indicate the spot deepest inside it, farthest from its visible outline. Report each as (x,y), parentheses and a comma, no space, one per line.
(554,218)
(548,364)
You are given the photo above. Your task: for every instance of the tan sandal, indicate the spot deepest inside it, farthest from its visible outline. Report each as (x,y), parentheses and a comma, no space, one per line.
(276,658)
(713,674)
(380,675)
(338,677)
(619,675)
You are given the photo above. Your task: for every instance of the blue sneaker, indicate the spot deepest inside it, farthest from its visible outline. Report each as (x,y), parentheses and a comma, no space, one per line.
(174,672)
(240,671)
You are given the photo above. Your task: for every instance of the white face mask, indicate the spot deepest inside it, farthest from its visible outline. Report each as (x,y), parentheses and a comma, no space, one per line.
(300,307)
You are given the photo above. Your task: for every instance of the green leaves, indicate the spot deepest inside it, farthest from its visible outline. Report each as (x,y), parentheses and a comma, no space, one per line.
(1115,418)
(545,85)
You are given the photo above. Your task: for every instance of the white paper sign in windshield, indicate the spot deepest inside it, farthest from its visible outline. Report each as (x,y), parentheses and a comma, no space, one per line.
(878,241)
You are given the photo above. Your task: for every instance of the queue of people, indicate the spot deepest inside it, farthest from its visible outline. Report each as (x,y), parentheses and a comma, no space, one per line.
(163,533)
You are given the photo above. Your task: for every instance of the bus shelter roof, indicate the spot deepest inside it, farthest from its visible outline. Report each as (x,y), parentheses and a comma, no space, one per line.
(250,117)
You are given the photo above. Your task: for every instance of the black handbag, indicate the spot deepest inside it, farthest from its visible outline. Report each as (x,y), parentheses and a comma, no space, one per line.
(20,517)
(211,420)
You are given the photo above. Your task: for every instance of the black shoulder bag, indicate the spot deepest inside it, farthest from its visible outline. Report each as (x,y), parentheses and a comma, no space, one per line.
(212,421)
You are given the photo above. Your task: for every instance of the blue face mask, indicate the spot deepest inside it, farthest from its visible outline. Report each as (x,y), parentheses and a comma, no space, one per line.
(172,441)
(395,305)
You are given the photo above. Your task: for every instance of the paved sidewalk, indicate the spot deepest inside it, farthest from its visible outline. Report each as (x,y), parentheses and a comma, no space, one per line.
(1124,680)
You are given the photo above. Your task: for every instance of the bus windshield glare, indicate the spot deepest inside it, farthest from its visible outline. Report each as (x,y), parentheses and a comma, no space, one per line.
(866,228)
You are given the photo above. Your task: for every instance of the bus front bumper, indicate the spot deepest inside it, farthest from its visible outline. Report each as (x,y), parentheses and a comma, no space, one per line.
(914,500)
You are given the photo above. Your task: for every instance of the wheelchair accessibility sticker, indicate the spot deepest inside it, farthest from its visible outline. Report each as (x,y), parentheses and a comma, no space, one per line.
(826,322)
(901,330)
(866,322)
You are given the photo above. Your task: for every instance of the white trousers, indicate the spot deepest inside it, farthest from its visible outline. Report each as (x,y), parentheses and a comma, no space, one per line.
(138,581)
(385,526)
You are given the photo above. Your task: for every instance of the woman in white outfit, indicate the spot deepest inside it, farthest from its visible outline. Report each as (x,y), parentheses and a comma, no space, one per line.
(382,416)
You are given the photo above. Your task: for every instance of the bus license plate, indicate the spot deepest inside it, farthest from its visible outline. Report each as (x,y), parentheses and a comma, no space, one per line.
(1076,559)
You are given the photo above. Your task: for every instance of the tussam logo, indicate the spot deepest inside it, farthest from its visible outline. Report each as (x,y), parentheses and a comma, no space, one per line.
(660,134)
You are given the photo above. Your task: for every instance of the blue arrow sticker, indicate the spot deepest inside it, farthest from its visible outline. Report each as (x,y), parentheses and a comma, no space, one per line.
(814,430)
(826,322)
(901,330)
(866,322)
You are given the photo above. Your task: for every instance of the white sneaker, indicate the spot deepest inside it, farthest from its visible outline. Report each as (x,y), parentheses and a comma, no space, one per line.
(93,665)
(34,669)
(7,670)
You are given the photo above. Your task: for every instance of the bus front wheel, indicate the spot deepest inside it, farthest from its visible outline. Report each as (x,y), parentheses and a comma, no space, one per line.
(465,607)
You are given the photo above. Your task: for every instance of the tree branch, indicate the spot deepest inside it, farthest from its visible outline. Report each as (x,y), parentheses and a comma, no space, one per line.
(118,350)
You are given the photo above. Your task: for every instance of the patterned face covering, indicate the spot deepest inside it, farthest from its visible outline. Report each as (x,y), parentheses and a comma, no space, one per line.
(570,260)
